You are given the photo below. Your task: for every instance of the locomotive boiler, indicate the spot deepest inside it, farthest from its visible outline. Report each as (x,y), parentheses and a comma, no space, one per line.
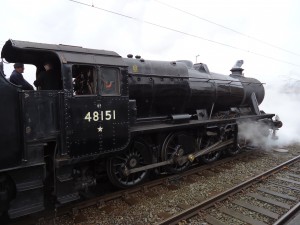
(123,118)
(179,87)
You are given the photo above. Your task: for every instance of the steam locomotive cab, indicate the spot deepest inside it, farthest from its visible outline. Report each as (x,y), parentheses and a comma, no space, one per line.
(97,121)
(62,129)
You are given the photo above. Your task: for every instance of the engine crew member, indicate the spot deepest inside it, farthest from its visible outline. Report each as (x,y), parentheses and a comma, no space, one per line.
(17,78)
(48,79)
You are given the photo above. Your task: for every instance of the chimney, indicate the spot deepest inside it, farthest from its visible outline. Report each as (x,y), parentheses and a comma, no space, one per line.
(236,69)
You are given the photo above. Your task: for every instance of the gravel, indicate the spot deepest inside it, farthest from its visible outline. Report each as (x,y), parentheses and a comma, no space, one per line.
(265,205)
(208,183)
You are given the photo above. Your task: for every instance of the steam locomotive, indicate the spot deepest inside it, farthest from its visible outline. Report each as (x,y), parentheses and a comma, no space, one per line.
(124,117)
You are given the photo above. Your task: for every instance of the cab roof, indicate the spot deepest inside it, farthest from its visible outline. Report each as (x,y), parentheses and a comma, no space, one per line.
(35,53)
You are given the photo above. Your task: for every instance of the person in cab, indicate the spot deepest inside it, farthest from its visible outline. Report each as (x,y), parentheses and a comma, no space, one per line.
(17,78)
(48,79)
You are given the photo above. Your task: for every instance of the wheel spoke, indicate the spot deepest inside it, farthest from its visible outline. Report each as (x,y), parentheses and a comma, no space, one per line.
(205,142)
(133,177)
(132,159)
(120,158)
(173,147)
(116,172)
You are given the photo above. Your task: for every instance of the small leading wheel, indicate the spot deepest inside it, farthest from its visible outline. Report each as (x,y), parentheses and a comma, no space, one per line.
(204,142)
(176,145)
(233,150)
(134,157)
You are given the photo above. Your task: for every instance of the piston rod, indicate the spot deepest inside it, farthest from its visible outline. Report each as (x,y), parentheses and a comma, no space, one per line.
(184,158)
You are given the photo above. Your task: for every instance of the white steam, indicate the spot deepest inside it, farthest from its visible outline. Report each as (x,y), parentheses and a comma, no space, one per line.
(283,99)
(256,134)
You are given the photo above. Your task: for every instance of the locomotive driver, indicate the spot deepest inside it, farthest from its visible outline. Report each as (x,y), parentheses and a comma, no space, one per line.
(17,78)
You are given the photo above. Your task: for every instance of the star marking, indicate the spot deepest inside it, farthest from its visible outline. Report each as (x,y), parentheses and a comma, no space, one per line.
(100,129)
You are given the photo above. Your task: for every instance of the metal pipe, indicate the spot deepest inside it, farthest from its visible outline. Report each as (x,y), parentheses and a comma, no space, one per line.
(212,108)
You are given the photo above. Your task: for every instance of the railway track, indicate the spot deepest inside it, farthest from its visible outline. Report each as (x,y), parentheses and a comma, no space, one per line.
(147,190)
(118,204)
(269,198)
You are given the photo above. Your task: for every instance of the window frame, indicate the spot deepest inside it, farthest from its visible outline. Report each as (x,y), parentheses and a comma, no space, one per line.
(117,81)
(94,76)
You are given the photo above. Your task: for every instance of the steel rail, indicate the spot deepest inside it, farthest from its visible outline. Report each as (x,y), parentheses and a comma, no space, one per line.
(287,216)
(193,211)
(43,217)
(48,215)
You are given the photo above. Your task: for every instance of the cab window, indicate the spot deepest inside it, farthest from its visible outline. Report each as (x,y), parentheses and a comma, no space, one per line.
(109,81)
(84,80)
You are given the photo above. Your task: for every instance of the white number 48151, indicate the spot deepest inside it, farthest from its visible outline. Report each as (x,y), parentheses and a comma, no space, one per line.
(102,115)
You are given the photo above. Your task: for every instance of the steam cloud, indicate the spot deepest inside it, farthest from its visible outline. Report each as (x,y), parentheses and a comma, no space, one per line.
(256,134)
(283,99)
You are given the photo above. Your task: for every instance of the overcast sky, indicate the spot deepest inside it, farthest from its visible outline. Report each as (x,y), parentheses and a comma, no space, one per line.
(275,22)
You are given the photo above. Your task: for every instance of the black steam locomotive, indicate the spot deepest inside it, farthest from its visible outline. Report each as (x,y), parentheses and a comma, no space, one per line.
(124,117)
